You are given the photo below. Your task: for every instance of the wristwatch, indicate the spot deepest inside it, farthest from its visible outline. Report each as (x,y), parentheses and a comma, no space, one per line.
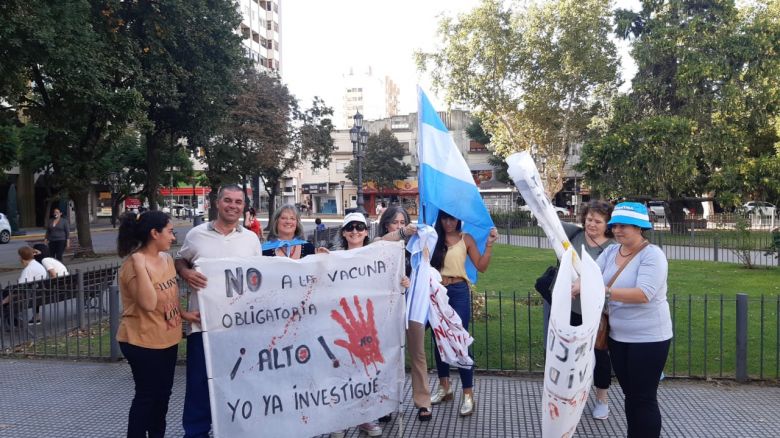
(608,293)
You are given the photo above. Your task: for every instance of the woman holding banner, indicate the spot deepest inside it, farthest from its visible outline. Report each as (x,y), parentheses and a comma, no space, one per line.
(449,258)
(594,237)
(352,235)
(640,323)
(394,226)
(150,330)
(286,236)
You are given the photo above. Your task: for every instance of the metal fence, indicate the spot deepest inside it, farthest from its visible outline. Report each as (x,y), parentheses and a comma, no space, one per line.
(60,317)
(757,247)
(715,336)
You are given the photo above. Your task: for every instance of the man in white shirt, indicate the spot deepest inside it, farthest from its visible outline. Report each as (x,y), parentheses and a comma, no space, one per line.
(54,267)
(224,237)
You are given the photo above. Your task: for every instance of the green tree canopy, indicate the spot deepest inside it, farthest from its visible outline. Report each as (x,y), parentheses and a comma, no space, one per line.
(535,76)
(383,163)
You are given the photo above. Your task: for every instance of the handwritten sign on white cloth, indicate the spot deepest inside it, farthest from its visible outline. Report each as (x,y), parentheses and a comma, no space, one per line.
(302,348)
(568,367)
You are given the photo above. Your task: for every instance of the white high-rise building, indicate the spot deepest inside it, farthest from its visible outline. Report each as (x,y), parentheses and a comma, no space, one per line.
(261,31)
(374,96)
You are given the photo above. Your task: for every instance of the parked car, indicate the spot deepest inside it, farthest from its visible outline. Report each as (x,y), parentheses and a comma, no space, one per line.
(657,209)
(560,211)
(760,207)
(5,229)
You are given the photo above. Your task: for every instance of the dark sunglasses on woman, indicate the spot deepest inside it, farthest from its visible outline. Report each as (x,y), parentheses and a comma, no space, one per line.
(355,226)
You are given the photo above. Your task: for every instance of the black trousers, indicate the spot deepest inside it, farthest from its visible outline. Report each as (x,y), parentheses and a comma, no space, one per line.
(638,368)
(57,248)
(153,372)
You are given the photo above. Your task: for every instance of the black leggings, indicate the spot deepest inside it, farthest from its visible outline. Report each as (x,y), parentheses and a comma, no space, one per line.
(638,367)
(602,372)
(153,372)
(57,248)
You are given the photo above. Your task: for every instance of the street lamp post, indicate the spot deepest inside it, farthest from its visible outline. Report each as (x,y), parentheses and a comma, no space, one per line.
(341,183)
(359,137)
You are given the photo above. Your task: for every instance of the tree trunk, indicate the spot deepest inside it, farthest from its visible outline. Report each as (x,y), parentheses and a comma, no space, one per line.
(81,205)
(676,216)
(271,202)
(153,145)
(213,203)
(255,184)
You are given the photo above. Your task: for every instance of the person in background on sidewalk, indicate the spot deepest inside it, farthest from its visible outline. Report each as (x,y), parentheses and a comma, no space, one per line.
(224,237)
(449,258)
(150,330)
(53,267)
(251,222)
(57,234)
(32,271)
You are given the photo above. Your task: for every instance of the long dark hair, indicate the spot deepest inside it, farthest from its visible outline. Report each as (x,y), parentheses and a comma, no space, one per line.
(43,251)
(135,230)
(388,217)
(437,259)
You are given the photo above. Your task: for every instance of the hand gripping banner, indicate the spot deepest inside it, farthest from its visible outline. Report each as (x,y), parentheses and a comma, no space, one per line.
(298,348)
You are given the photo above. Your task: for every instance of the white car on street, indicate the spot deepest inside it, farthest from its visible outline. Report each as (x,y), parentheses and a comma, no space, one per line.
(560,211)
(5,229)
(760,208)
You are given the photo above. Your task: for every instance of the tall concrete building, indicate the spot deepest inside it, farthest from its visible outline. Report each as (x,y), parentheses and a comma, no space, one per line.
(261,31)
(374,96)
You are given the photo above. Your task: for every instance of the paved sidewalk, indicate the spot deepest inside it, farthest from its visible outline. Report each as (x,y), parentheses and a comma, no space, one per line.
(47,398)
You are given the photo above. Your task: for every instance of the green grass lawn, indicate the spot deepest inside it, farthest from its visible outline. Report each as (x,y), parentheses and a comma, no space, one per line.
(702,296)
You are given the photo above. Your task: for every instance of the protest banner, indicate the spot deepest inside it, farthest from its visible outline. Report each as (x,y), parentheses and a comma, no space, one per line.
(569,362)
(298,348)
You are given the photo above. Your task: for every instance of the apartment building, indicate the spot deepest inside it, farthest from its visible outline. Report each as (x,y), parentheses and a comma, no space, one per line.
(261,31)
(372,95)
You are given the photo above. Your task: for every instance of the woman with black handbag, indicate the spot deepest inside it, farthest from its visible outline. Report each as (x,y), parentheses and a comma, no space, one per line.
(594,237)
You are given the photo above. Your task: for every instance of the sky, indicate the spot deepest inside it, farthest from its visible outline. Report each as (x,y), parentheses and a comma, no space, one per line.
(321,40)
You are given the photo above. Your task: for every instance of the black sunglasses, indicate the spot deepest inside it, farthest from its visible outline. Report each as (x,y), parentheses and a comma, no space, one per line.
(355,226)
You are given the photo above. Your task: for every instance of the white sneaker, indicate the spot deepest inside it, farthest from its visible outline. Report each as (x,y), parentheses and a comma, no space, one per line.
(601,410)
(371,428)
(338,434)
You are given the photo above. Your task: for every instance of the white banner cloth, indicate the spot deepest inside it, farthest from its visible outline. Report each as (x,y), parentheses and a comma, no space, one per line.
(427,301)
(302,348)
(568,367)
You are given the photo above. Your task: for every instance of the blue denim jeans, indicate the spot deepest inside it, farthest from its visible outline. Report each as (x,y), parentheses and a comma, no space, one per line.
(196,418)
(460,301)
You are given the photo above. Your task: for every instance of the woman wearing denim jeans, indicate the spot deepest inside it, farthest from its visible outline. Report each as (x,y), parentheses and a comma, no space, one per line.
(449,258)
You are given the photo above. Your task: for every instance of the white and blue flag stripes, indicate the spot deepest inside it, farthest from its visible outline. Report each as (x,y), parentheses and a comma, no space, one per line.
(445,181)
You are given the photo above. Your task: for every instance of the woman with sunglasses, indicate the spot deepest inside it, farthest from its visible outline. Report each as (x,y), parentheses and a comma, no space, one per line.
(352,235)
(449,258)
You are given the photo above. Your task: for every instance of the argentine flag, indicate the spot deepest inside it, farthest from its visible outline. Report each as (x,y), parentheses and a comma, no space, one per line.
(445,181)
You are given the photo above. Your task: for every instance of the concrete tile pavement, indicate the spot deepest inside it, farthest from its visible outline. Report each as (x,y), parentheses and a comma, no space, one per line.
(48,398)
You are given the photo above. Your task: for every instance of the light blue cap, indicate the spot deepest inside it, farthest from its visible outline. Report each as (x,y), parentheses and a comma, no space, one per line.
(630,213)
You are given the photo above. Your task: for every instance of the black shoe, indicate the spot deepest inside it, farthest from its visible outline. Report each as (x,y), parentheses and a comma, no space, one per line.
(386,418)
(424,414)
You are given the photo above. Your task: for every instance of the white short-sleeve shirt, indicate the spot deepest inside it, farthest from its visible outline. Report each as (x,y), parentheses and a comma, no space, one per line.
(32,272)
(51,263)
(205,241)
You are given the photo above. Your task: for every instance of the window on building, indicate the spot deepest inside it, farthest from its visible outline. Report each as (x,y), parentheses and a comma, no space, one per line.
(340,165)
(475,146)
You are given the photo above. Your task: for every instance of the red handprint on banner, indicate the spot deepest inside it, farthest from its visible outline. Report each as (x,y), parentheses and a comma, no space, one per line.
(361,333)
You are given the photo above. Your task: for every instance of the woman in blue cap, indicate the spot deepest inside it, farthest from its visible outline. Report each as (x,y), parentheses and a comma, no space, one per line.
(640,331)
